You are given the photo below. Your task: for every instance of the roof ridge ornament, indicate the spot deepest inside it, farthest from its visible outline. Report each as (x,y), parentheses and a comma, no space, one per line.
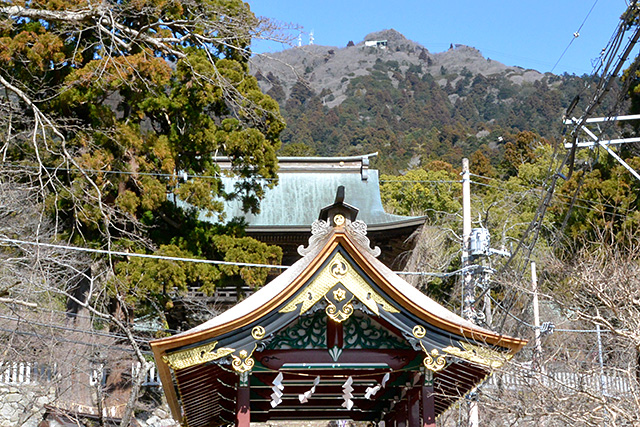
(358,231)
(339,209)
(319,230)
(338,215)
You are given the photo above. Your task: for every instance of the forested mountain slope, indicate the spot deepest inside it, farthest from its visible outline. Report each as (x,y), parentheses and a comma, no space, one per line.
(411,105)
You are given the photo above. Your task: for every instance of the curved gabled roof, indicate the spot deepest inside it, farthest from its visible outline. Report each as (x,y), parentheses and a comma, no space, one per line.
(278,291)
(305,184)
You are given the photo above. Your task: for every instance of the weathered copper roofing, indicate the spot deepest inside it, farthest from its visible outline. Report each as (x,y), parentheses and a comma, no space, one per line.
(339,275)
(306,184)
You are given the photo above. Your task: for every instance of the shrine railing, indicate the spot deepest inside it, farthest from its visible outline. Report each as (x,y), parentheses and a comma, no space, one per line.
(609,383)
(18,373)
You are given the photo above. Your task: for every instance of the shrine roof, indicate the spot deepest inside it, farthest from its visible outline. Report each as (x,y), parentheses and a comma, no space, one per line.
(305,184)
(274,293)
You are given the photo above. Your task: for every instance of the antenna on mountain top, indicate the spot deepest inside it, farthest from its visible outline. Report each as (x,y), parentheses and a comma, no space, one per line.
(299,39)
(311,37)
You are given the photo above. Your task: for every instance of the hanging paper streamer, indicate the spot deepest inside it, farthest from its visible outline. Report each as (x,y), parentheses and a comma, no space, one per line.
(304,398)
(347,393)
(371,391)
(276,396)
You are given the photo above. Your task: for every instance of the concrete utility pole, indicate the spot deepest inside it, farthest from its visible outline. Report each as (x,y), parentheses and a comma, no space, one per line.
(536,317)
(468,285)
(468,289)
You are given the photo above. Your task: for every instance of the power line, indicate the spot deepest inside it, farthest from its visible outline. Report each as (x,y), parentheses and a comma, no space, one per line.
(421,181)
(196,260)
(179,175)
(68,329)
(539,191)
(59,339)
(575,36)
(135,254)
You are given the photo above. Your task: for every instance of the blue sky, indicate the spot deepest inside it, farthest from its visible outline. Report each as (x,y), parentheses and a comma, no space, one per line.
(531,34)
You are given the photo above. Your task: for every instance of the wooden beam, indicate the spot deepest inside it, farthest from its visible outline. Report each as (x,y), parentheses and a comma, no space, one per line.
(167,384)
(287,414)
(413,406)
(428,401)
(401,414)
(243,404)
(396,359)
(335,334)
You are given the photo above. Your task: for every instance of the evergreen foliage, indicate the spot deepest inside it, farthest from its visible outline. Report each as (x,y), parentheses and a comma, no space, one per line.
(112,105)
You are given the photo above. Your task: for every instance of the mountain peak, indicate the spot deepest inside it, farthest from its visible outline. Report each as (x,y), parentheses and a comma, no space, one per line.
(390,35)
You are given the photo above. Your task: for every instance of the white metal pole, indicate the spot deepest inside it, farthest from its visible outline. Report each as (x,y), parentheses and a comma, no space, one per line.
(473,411)
(603,381)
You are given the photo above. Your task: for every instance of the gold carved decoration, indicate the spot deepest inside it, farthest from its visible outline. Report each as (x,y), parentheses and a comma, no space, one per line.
(481,355)
(339,294)
(196,356)
(419,331)
(243,362)
(338,220)
(338,272)
(339,308)
(434,361)
(338,268)
(258,332)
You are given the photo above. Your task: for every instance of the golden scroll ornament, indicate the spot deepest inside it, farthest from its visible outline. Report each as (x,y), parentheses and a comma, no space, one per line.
(434,361)
(338,271)
(258,332)
(196,356)
(419,331)
(481,355)
(243,362)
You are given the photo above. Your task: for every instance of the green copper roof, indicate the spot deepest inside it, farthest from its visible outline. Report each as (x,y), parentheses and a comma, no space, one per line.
(299,196)
(306,185)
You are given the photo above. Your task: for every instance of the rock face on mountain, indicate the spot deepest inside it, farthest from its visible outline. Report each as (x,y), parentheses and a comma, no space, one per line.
(330,69)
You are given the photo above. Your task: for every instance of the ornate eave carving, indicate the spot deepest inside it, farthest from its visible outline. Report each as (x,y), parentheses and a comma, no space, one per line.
(320,229)
(339,283)
(358,232)
(481,355)
(196,356)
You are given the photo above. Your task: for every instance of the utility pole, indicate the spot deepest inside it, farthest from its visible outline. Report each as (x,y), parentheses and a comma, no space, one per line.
(468,289)
(468,285)
(536,318)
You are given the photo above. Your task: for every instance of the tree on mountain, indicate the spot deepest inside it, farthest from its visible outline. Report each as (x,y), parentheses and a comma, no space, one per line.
(520,151)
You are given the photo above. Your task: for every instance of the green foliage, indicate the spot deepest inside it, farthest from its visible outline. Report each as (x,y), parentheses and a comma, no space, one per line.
(406,113)
(421,192)
(131,96)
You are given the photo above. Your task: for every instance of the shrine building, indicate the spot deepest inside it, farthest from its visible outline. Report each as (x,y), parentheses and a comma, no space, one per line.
(306,184)
(337,336)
